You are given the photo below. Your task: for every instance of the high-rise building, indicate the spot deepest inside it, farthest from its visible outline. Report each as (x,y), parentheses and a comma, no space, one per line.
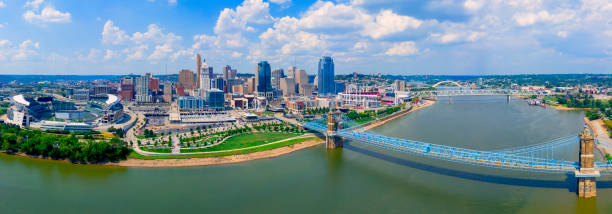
(326,76)
(250,85)
(127,89)
(301,80)
(154,85)
(205,83)
(207,70)
(238,89)
(233,74)
(215,98)
(143,94)
(218,83)
(185,79)
(291,72)
(191,103)
(227,72)
(168,86)
(399,85)
(287,85)
(277,74)
(263,76)
(198,69)
(339,87)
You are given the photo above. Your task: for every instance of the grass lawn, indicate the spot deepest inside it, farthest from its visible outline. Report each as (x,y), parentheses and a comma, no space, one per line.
(263,148)
(245,140)
(365,120)
(155,150)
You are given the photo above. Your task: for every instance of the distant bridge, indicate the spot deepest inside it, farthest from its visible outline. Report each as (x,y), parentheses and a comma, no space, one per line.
(447,81)
(537,158)
(472,92)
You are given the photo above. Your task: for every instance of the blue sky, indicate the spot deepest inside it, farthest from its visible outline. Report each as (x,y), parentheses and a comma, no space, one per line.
(474,37)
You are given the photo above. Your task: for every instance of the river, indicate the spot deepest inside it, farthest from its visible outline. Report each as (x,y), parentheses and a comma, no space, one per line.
(355,179)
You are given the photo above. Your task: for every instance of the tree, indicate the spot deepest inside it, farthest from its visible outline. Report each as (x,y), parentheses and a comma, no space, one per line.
(593,115)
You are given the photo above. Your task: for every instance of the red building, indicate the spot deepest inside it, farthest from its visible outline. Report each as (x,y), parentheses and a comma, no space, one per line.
(154,85)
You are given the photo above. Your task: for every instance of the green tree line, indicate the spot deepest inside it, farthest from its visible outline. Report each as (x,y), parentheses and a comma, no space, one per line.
(34,142)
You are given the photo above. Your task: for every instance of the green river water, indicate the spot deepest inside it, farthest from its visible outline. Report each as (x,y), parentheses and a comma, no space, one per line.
(355,179)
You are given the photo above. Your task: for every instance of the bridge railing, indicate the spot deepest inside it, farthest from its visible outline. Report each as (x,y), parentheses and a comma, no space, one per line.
(467,92)
(462,155)
(506,159)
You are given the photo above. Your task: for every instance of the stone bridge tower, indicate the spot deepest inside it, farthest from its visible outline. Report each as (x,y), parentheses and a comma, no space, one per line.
(587,174)
(331,140)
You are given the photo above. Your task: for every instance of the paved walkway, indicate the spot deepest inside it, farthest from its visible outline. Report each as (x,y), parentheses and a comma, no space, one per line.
(601,133)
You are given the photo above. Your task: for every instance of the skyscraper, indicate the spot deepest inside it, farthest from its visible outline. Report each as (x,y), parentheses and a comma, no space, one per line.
(263,76)
(277,74)
(206,70)
(301,79)
(291,72)
(185,79)
(143,94)
(287,85)
(326,76)
(127,89)
(227,72)
(168,85)
(250,85)
(233,74)
(205,83)
(198,69)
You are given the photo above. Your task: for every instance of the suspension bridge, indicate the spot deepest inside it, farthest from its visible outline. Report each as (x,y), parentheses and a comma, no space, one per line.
(541,157)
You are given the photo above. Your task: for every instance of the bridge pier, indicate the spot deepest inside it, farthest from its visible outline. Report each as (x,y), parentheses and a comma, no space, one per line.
(331,140)
(587,174)
(508,98)
(450,99)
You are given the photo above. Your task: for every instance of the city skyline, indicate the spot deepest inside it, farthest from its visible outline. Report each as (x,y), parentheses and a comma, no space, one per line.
(469,37)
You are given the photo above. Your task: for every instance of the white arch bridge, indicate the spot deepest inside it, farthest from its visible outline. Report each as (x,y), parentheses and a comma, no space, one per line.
(472,92)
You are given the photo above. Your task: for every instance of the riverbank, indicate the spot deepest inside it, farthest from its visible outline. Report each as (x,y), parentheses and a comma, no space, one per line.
(374,124)
(601,132)
(563,108)
(206,161)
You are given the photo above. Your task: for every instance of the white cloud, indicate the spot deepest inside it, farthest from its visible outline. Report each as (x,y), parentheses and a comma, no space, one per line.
(2,4)
(182,53)
(402,49)
(280,1)
(111,34)
(453,37)
(236,54)
(154,34)
(337,17)
(4,43)
(47,15)
(530,18)
(171,1)
(94,54)
(473,5)
(203,40)
(360,45)
(388,23)
(160,52)
(236,20)
(25,50)
(34,4)
(110,54)
(562,34)
(139,42)
(135,53)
